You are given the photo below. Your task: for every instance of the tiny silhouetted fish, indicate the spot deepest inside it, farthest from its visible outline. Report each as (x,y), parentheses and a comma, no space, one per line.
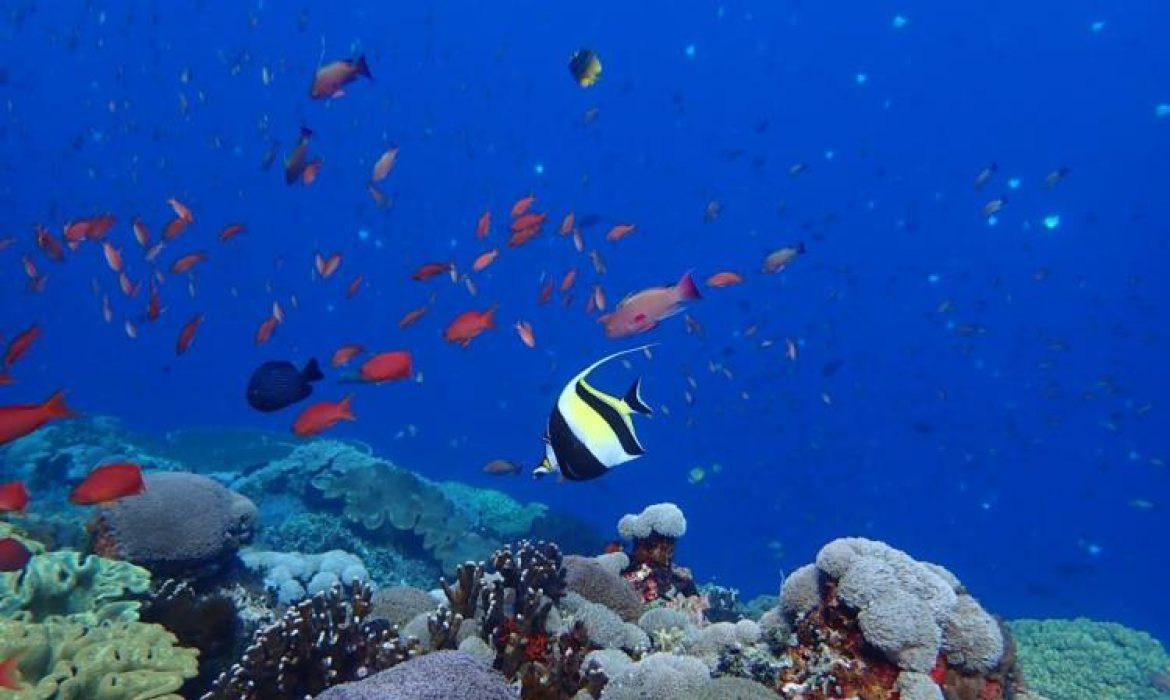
(277,384)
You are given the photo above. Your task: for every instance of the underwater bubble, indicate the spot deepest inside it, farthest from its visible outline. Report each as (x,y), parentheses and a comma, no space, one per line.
(1097,26)
(899,21)
(363,234)
(1014,183)
(992,220)
(1052,222)
(861,78)
(1162,110)
(934,278)
(830,154)
(538,168)
(689,51)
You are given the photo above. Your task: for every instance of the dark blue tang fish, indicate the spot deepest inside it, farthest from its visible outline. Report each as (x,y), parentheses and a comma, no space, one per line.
(277,384)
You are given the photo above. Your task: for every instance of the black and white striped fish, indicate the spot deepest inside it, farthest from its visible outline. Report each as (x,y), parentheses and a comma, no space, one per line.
(590,431)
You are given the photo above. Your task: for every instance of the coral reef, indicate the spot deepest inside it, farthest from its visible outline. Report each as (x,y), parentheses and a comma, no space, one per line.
(491,510)
(62,583)
(658,676)
(443,674)
(68,450)
(319,643)
(399,605)
(1082,659)
(652,571)
(65,659)
(593,580)
(291,576)
(183,525)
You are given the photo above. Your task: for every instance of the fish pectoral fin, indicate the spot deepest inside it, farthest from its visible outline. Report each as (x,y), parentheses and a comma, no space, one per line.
(634,400)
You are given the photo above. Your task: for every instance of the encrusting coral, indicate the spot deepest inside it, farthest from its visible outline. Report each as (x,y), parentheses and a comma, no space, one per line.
(291,576)
(655,533)
(91,588)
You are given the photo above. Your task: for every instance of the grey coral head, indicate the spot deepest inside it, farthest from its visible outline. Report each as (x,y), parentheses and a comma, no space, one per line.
(665,519)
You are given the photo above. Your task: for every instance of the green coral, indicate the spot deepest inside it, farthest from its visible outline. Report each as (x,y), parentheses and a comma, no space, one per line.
(293,473)
(67,659)
(1086,660)
(494,511)
(64,583)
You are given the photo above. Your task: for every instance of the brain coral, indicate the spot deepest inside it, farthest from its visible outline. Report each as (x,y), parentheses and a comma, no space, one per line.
(440,675)
(64,659)
(595,582)
(658,676)
(183,524)
(398,605)
(664,518)
(1085,660)
(65,583)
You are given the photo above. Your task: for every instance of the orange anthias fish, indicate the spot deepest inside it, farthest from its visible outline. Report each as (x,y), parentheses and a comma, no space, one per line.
(387,367)
(14,556)
(546,292)
(331,78)
(779,259)
(567,224)
(141,233)
(412,317)
(484,226)
(641,312)
(327,266)
(322,416)
(187,335)
(175,228)
(568,280)
(109,483)
(181,210)
(92,229)
(230,231)
(619,232)
(384,164)
(188,261)
(312,170)
(20,345)
(484,260)
(20,420)
(525,228)
(724,279)
(355,286)
(113,256)
(469,325)
(527,336)
(266,329)
(429,270)
(50,245)
(294,163)
(344,354)
(522,205)
(13,497)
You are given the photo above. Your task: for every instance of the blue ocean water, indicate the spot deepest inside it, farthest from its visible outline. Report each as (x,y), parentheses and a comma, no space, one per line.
(986,396)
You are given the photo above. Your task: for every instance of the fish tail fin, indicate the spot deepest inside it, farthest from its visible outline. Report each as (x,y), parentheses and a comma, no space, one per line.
(56,407)
(312,371)
(634,399)
(687,289)
(345,408)
(363,68)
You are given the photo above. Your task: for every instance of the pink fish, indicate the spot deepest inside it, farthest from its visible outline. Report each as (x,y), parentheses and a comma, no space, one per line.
(642,311)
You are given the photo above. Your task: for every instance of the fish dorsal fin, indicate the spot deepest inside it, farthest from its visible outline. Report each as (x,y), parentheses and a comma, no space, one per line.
(634,400)
(585,372)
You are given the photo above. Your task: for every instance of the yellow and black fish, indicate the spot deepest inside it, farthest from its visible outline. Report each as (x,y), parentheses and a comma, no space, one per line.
(585,65)
(590,431)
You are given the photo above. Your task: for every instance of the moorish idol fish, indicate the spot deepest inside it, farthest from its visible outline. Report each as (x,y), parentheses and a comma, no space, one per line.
(590,431)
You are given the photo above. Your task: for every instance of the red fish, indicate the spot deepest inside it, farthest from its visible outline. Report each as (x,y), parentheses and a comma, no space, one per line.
(129,287)
(175,228)
(20,345)
(522,205)
(92,229)
(154,305)
(20,420)
(113,256)
(527,335)
(323,416)
(546,292)
(724,279)
(641,312)
(344,354)
(387,367)
(619,232)
(526,228)
(327,266)
(469,325)
(384,164)
(411,317)
(187,335)
(568,280)
(567,224)
(188,261)
(429,270)
(108,483)
(181,210)
(484,260)
(312,170)
(354,287)
(141,233)
(485,224)
(50,245)
(330,79)
(264,332)
(13,497)
(294,163)
(14,556)
(230,231)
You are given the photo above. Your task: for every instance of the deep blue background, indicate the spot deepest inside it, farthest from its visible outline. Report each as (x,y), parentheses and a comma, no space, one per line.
(1011,456)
